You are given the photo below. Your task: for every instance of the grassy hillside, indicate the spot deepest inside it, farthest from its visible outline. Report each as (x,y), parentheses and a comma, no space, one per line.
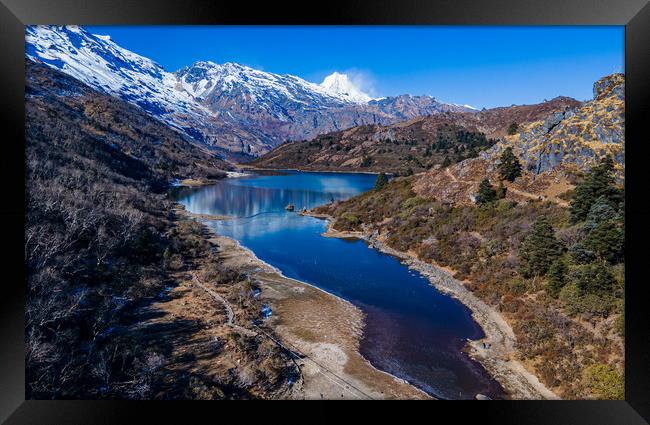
(60,108)
(102,245)
(555,273)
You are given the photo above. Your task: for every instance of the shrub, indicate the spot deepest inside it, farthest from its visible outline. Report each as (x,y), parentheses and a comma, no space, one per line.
(619,325)
(576,302)
(604,382)
(348,221)
(175,262)
(593,278)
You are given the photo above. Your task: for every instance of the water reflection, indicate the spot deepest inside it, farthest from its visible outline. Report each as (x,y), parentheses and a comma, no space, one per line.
(247,197)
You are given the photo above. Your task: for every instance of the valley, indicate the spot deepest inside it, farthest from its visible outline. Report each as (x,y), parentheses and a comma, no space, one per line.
(224,232)
(235,109)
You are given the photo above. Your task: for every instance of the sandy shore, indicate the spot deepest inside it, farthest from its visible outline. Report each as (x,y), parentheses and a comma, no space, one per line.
(322,326)
(500,358)
(307,170)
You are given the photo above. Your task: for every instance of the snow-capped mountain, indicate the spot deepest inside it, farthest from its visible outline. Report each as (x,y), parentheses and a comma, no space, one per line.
(341,85)
(228,106)
(97,61)
(203,78)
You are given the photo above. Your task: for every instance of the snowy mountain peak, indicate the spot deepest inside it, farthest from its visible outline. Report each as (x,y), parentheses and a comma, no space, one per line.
(341,85)
(229,105)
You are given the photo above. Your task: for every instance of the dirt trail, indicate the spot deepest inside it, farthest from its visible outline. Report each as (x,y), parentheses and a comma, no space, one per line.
(456,179)
(230,315)
(514,190)
(293,351)
(537,196)
(323,329)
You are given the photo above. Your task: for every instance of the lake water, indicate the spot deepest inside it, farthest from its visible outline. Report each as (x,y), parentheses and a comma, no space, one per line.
(412,330)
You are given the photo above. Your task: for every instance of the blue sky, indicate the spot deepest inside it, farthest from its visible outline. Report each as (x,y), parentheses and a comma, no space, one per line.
(479,66)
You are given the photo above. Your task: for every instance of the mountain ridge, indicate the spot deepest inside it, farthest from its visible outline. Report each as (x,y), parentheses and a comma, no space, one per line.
(230,107)
(415,144)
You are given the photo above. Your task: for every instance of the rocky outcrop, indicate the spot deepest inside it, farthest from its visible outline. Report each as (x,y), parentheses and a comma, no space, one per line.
(552,149)
(577,137)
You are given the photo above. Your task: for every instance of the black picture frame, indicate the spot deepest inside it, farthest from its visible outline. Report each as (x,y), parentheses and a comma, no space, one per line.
(634,14)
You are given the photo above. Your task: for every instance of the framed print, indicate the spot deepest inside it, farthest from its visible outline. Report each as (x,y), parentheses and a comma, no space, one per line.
(380,201)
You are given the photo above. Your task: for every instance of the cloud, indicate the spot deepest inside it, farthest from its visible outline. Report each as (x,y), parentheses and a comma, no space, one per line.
(363,80)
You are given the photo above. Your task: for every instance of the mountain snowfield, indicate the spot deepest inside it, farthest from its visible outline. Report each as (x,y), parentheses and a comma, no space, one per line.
(228,106)
(341,84)
(205,77)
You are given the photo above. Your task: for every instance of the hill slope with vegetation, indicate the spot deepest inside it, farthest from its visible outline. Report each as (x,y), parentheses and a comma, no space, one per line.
(555,274)
(409,146)
(554,151)
(534,226)
(103,250)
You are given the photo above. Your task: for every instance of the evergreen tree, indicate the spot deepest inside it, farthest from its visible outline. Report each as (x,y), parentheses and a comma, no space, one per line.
(598,183)
(167,254)
(556,277)
(580,254)
(539,249)
(486,193)
(446,162)
(381,181)
(509,165)
(593,278)
(607,241)
(605,235)
(513,128)
(599,212)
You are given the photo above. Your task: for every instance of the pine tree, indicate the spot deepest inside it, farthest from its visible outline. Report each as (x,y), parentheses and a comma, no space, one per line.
(607,241)
(593,278)
(539,249)
(381,181)
(446,162)
(598,183)
(509,165)
(556,277)
(486,192)
(513,128)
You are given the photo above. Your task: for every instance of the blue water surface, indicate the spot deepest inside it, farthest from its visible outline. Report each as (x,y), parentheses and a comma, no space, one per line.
(412,330)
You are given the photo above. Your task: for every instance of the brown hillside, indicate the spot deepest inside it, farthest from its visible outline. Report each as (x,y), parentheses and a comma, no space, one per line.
(415,145)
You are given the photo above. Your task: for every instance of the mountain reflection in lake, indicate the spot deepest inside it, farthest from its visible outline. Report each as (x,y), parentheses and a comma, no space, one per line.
(412,330)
